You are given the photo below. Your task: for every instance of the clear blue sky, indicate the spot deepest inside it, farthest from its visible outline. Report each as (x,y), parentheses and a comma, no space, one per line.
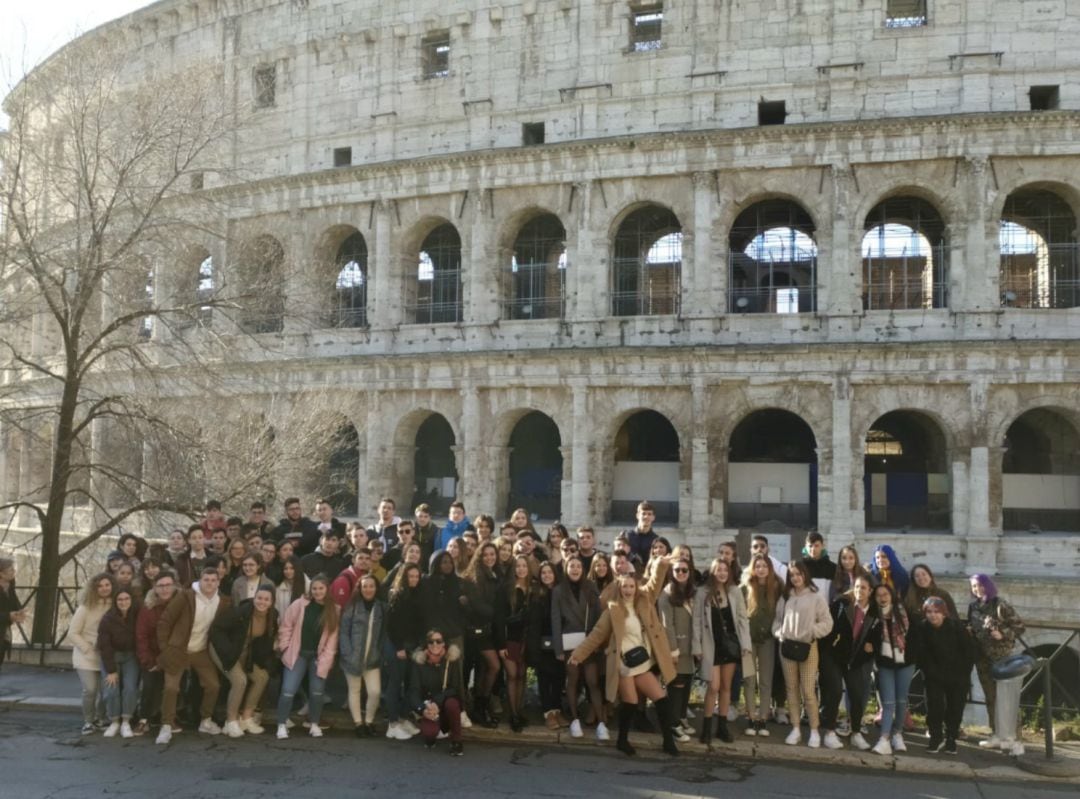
(32,29)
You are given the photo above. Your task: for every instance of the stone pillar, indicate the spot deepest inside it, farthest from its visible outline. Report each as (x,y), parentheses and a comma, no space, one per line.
(840,284)
(843,513)
(699,483)
(566,487)
(825,488)
(385,275)
(699,298)
(581,491)
(982,542)
(306,295)
(387,469)
(718,472)
(974,278)
(480,267)
(589,276)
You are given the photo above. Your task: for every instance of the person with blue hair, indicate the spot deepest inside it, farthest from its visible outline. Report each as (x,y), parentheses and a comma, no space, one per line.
(886,569)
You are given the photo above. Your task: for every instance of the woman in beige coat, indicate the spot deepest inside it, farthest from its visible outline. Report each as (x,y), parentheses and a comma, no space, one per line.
(637,646)
(83,633)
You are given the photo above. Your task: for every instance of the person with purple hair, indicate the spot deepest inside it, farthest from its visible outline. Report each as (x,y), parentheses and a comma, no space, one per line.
(886,569)
(995,626)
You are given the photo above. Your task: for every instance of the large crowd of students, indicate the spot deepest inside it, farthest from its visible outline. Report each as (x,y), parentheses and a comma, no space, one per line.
(438,627)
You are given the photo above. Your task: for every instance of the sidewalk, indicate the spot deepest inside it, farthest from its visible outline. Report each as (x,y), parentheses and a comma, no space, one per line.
(48,689)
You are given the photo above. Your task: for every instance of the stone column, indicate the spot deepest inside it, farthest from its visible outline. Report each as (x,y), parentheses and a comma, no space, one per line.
(588,279)
(566,487)
(718,471)
(385,275)
(843,512)
(480,282)
(698,283)
(840,270)
(982,542)
(387,468)
(581,491)
(305,299)
(974,279)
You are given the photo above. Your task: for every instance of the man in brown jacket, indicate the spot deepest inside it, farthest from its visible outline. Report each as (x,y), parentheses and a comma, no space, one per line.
(183,634)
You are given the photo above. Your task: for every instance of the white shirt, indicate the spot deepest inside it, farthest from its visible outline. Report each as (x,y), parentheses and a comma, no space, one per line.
(205,610)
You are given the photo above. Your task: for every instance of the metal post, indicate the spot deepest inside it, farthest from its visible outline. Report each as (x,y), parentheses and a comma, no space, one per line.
(1048,709)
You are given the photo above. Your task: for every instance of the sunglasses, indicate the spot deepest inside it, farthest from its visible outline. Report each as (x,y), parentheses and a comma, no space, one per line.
(436,642)
(681,571)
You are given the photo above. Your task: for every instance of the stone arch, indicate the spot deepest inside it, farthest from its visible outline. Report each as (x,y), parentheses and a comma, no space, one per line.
(905,254)
(929,193)
(646,261)
(906,472)
(426,447)
(772,258)
(533,263)
(1041,471)
(1038,247)
(647,456)
(534,467)
(432,264)
(772,470)
(343,274)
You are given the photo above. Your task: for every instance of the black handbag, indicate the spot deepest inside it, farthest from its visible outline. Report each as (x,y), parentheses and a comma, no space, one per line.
(795,650)
(635,657)
(729,648)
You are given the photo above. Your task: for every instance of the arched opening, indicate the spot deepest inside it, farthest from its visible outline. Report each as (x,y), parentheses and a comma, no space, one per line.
(437,283)
(352,282)
(435,470)
(772,260)
(906,473)
(1041,473)
(646,467)
(536,466)
(772,471)
(262,286)
(538,270)
(342,484)
(905,257)
(647,263)
(1040,258)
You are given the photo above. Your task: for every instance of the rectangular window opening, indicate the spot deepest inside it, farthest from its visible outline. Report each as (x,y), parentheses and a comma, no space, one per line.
(645,27)
(532,133)
(905,14)
(197,181)
(771,112)
(1044,98)
(265,85)
(343,156)
(435,54)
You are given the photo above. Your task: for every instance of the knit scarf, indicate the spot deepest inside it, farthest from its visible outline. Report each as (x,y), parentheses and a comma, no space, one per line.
(896,628)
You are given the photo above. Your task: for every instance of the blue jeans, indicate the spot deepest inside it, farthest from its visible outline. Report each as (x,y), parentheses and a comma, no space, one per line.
(893,685)
(291,681)
(120,699)
(394,674)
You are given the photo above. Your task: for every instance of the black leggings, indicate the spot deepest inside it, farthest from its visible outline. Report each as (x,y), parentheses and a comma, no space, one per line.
(679,691)
(550,676)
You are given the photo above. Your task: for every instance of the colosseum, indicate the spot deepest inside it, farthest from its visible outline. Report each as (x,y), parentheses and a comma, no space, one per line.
(779,265)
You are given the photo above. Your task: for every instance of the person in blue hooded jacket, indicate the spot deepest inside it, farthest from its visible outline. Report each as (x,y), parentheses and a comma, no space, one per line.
(457,525)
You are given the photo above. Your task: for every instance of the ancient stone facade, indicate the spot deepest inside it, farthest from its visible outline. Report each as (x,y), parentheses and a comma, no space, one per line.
(831,254)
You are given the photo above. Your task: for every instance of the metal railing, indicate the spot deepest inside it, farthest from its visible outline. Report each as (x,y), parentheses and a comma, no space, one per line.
(67,599)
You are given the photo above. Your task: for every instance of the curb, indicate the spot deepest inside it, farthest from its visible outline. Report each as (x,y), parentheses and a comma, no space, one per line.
(752,751)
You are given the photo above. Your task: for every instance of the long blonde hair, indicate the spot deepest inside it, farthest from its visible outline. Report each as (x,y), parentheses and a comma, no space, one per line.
(757,593)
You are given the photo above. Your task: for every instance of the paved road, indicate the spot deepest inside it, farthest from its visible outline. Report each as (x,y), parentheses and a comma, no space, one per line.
(43,757)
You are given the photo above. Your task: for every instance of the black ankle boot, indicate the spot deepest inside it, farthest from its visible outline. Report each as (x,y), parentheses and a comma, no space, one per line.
(705,736)
(626,720)
(722,730)
(665,715)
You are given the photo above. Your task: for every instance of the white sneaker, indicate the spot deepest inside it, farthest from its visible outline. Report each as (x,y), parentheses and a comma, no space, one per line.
(282,732)
(794,738)
(210,727)
(815,740)
(1014,748)
(602,732)
(289,723)
(442,735)
(315,731)
(685,728)
(993,742)
(575,729)
(466,722)
(751,728)
(125,729)
(409,727)
(843,728)
(164,735)
(679,735)
(859,742)
(690,714)
(732,713)
(882,747)
(233,729)
(397,732)
(251,726)
(831,741)
(898,744)
(781,716)
(112,729)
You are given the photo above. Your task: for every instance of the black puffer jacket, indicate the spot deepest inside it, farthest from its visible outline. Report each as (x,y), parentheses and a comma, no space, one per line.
(437,683)
(480,599)
(405,620)
(230,631)
(840,645)
(947,652)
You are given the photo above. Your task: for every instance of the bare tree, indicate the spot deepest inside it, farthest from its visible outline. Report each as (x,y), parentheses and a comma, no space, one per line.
(102,183)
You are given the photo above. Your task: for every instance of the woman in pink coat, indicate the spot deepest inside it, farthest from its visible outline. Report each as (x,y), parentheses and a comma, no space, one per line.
(308,640)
